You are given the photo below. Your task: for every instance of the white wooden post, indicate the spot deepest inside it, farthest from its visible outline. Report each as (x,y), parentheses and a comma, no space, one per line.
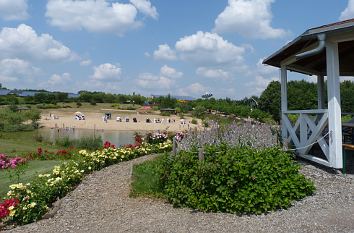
(320,91)
(334,108)
(284,100)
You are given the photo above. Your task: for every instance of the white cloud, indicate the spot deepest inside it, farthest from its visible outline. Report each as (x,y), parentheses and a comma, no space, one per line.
(13,70)
(154,82)
(13,9)
(265,69)
(212,72)
(170,72)
(209,49)
(211,54)
(145,7)
(86,62)
(23,42)
(259,84)
(194,89)
(92,15)
(348,12)
(164,52)
(57,79)
(260,77)
(250,18)
(346,78)
(107,72)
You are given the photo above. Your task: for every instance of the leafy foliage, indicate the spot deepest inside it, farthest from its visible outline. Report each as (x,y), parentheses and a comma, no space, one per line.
(12,120)
(302,95)
(234,179)
(33,199)
(89,143)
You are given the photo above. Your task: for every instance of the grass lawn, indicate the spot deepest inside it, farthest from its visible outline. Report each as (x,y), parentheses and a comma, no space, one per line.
(21,143)
(146,179)
(34,168)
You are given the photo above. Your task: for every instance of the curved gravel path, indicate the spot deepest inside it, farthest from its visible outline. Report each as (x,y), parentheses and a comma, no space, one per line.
(101,203)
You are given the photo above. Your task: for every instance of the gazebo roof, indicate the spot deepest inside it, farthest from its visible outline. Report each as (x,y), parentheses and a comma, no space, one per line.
(316,64)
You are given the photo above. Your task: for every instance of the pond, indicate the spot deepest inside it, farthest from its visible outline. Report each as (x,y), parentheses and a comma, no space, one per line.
(118,138)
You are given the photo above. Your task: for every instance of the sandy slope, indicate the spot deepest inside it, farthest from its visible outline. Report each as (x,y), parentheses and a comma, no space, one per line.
(93,120)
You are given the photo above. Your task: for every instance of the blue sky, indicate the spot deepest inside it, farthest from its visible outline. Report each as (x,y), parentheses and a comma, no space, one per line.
(152,47)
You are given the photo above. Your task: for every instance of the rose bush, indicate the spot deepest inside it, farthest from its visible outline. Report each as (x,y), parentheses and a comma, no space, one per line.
(7,162)
(33,199)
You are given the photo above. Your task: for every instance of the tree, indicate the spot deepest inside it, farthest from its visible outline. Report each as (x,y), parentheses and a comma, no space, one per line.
(269,101)
(199,112)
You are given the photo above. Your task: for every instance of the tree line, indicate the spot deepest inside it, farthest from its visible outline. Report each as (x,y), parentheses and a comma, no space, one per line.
(302,95)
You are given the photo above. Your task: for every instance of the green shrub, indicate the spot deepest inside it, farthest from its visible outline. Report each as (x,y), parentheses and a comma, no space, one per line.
(165,114)
(18,120)
(48,106)
(199,112)
(234,180)
(205,123)
(194,121)
(89,143)
(64,142)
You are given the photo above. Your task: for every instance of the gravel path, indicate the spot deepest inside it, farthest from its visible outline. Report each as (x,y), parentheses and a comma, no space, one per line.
(101,203)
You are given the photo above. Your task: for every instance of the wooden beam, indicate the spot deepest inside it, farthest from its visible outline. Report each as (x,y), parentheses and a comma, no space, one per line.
(334,108)
(309,111)
(341,37)
(303,70)
(315,159)
(289,128)
(320,91)
(284,99)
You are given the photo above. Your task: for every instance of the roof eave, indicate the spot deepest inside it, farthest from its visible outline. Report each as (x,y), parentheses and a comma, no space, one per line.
(307,35)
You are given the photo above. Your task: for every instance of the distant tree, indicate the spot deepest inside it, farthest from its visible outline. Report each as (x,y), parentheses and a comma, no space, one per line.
(347,96)
(166,102)
(61,97)
(199,112)
(269,101)
(301,95)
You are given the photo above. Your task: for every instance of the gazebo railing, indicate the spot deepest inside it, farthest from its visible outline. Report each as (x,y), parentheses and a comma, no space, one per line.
(309,128)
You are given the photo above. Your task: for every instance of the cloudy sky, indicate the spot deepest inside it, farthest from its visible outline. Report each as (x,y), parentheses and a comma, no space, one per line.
(180,47)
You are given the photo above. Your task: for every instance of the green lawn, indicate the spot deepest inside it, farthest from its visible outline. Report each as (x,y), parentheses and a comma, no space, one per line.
(34,168)
(146,179)
(21,143)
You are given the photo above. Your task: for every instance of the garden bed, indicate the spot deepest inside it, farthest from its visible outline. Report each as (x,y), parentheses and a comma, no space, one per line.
(101,203)
(28,202)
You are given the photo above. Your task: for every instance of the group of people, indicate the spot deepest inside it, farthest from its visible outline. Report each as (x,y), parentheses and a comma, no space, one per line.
(147,120)
(126,119)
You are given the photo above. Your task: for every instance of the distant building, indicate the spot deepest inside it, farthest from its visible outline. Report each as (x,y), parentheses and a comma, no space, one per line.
(4,92)
(27,93)
(73,95)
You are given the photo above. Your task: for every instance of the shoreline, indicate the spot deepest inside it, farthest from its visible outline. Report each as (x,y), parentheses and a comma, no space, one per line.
(94,121)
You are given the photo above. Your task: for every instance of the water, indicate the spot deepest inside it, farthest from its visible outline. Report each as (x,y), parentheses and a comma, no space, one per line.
(118,138)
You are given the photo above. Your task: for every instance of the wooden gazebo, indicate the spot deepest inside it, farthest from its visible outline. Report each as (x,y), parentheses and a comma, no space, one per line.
(322,51)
